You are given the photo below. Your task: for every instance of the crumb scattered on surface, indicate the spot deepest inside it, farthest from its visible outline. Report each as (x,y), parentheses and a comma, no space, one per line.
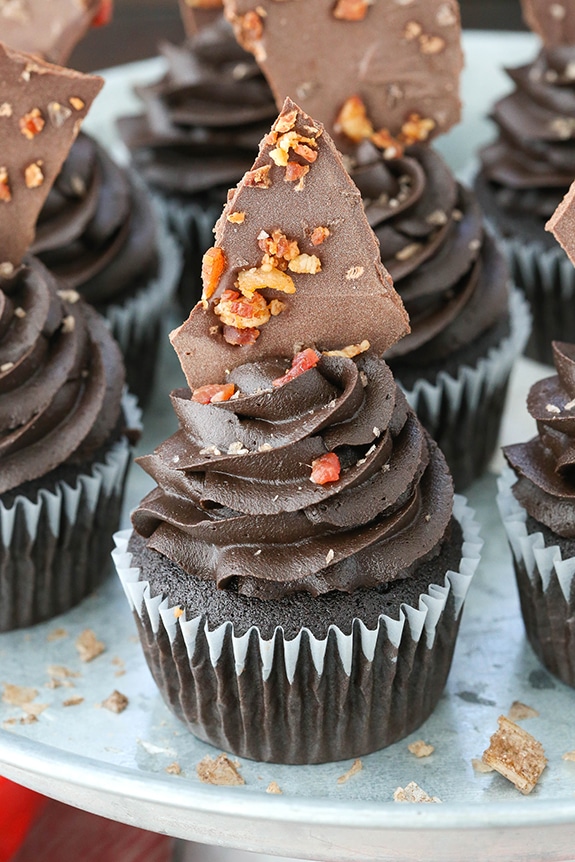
(56,635)
(60,676)
(88,645)
(480,766)
(356,767)
(413,793)
(73,701)
(116,702)
(219,770)
(119,664)
(516,755)
(519,711)
(34,709)
(18,695)
(28,719)
(273,787)
(420,748)
(569,755)
(174,768)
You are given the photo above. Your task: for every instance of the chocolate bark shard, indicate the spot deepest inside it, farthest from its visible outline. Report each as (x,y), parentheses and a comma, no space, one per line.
(554,22)
(197,14)
(400,59)
(49,30)
(41,111)
(562,223)
(310,231)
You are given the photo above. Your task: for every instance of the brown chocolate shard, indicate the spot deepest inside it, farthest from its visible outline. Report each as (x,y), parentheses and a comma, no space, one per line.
(562,223)
(40,116)
(271,288)
(49,30)
(516,755)
(554,22)
(401,59)
(197,14)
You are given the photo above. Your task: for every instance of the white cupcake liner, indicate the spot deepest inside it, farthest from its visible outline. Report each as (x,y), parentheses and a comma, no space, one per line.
(547,278)
(546,586)
(463,413)
(293,684)
(53,548)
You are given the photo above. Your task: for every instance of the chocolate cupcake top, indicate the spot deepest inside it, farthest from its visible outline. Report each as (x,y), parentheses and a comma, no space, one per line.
(97,230)
(203,121)
(532,163)
(284,481)
(447,270)
(545,466)
(61,377)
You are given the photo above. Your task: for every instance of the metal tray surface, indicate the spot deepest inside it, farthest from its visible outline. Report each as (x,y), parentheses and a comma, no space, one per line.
(115,764)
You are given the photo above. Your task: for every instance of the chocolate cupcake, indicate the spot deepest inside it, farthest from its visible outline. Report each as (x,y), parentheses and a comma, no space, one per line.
(198,135)
(101,236)
(65,448)
(526,172)
(537,504)
(467,325)
(301,558)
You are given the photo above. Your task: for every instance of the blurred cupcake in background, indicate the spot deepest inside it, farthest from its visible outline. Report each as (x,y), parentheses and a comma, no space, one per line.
(528,169)
(98,232)
(65,427)
(467,324)
(199,132)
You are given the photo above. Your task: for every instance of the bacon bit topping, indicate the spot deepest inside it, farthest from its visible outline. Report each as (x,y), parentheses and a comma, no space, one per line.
(319,235)
(309,264)
(242,337)
(277,248)
(351,10)
(250,29)
(353,121)
(276,307)
(33,175)
(242,312)
(292,140)
(213,265)
(257,278)
(104,14)
(213,393)
(32,123)
(285,122)
(415,129)
(5,193)
(413,30)
(5,109)
(295,171)
(236,218)
(259,178)
(325,469)
(431,44)
(392,148)
(77,103)
(350,351)
(301,363)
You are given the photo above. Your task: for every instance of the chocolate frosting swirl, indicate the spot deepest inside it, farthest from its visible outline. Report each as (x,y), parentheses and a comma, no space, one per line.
(61,378)
(204,120)
(447,270)
(235,503)
(532,163)
(97,230)
(545,466)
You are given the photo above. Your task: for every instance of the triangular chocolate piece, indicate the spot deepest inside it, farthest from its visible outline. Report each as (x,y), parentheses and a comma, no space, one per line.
(197,14)
(41,111)
(553,22)
(399,59)
(295,262)
(49,29)
(562,223)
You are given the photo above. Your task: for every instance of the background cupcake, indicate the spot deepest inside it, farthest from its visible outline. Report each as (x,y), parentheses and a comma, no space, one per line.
(467,326)
(63,425)
(526,172)
(302,539)
(98,231)
(197,136)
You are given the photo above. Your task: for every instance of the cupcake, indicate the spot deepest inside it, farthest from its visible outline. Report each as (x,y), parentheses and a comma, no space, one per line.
(197,136)
(65,443)
(98,231)
(526,172)
(467,325)
(301,558)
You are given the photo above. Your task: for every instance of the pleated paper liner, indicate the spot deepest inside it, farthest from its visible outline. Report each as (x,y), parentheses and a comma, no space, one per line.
(307,699)
(546,585)
(55,548)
